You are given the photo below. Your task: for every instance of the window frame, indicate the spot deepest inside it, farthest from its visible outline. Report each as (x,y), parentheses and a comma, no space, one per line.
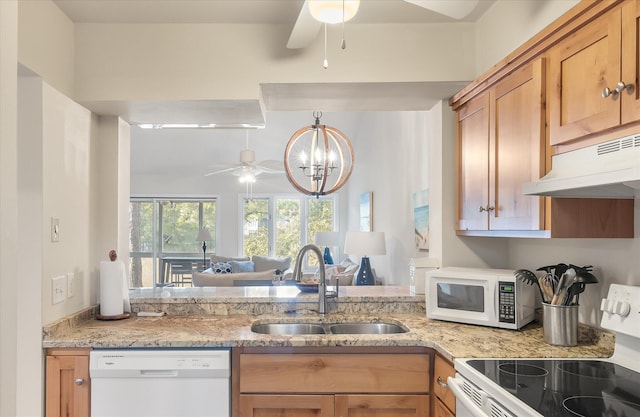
(304,212)
(157,225)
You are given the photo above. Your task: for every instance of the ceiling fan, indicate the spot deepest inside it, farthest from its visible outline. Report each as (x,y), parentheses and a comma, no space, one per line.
(248,169)
(306,27)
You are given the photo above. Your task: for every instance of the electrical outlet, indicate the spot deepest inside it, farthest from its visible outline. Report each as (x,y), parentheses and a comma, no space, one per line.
(71,277)
(58,289)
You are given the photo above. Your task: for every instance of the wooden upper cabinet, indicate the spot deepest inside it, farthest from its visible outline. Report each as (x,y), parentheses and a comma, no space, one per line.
(500,147)
(517,149)
(631,61)
(593,76)
(473,160)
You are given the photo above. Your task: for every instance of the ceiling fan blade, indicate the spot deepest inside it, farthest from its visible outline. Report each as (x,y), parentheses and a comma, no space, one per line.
(456,9)
(222,171)
(305,30)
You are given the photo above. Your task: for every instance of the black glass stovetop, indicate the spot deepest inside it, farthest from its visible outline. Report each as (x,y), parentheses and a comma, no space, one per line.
(566,387)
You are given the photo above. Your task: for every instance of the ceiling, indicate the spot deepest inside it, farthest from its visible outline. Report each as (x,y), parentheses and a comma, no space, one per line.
(275,97)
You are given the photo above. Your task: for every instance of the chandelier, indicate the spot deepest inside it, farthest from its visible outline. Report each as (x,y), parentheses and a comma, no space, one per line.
(324,159)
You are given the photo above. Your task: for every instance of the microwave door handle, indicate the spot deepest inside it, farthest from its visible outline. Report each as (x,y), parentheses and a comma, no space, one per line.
(465,401)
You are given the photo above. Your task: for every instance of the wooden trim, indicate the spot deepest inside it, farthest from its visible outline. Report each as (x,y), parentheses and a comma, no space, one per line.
(67,351)
(578,16)
(331,349)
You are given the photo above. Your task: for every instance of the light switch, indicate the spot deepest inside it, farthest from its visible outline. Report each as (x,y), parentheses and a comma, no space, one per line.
(55,229)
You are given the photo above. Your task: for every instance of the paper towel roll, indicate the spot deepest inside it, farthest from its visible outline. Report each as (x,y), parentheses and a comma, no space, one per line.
(111,288)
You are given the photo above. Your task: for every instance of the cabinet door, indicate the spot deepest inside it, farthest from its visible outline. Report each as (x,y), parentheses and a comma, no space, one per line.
(439,410)
(580,67)
(473,162)
(516,146)
(442,369)
(67,385)
(286,405)
(630,98)
(382,405)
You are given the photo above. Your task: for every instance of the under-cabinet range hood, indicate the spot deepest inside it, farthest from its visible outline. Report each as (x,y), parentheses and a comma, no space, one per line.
(606,170)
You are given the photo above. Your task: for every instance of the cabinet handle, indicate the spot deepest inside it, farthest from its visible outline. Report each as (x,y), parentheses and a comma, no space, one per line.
(622,86)
(442,384)
(488,208)
(481,209)
(79,381)
(606,92)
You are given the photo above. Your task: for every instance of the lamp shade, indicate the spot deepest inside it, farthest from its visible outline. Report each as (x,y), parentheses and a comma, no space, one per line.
(331,239)
(365,243)
(333,11)
(204,235)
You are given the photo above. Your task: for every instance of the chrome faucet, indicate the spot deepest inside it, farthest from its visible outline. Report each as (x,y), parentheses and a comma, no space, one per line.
(323,294)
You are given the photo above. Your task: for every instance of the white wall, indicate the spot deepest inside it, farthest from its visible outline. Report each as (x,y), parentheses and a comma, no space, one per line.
(521,20)
(391,160)
(10,298)
(224,61)
(46,43)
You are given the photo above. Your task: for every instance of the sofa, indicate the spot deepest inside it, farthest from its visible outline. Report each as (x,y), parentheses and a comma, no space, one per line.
(260,270)
(244,271)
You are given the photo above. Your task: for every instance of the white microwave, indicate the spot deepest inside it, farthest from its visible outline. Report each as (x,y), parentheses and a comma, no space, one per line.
(486,297)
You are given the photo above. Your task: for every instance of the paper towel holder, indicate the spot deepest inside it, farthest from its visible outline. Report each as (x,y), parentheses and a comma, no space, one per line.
(113,255)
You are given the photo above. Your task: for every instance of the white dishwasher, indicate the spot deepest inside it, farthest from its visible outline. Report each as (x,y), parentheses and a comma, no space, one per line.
(160,383)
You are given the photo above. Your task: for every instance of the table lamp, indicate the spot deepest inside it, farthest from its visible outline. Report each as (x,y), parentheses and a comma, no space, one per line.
(328,240)
(365,244)
(204,236)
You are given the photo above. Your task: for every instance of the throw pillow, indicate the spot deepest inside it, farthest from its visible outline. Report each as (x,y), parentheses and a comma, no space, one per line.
(264,263)
(242,266)
(221,267)
(218,258)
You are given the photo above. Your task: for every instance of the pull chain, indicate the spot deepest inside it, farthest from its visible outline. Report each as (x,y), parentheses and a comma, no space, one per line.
(325,63)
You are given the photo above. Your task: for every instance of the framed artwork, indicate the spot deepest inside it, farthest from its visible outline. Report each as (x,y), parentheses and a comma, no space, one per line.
(421,219)
(366,212)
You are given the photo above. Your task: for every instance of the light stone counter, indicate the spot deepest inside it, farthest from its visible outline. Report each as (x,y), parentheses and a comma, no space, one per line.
(222,317)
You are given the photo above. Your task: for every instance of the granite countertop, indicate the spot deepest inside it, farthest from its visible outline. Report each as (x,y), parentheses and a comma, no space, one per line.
(217,317)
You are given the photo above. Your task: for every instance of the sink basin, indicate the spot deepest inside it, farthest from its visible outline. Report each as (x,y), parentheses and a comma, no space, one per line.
(328,328)
(288,328)
(366,328)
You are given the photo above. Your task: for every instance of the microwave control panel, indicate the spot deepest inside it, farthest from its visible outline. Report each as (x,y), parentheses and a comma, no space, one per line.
(506,302)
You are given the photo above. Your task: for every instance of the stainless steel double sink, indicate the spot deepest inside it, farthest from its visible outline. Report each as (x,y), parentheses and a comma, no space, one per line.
(291,329)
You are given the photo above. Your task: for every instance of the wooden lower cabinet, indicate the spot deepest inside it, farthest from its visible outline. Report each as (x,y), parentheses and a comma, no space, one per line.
(441,410)
(306,382)
(68,387)
(256,405)
(381,405)
(339,405)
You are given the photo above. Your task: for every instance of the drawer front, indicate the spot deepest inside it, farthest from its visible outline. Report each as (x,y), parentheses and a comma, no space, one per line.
(442,369)
(334,373)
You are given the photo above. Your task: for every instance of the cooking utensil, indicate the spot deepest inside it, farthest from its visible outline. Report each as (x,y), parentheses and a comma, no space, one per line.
(528,277)
(563,285)
(577,287)
(547,285)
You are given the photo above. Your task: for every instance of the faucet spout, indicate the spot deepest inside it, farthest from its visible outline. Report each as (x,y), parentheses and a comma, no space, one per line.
(322,285)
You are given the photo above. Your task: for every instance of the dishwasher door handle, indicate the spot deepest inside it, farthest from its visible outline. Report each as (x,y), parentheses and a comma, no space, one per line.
(159,373)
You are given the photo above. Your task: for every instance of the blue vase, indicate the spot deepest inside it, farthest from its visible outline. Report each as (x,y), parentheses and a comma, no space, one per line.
(328,260)
(365,275)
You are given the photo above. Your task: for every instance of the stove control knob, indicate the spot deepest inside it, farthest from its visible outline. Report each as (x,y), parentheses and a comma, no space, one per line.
(606,305)
(622,308)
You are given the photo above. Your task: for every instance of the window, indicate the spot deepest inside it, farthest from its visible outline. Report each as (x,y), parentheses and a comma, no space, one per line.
(161,228)
(281,225)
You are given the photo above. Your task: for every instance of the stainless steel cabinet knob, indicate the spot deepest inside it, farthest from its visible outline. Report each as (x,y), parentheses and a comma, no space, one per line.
(79,381)
(621,86)
(606,92)
(442,384)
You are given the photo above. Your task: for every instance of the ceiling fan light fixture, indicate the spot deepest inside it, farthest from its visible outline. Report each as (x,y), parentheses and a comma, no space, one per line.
(331,11)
